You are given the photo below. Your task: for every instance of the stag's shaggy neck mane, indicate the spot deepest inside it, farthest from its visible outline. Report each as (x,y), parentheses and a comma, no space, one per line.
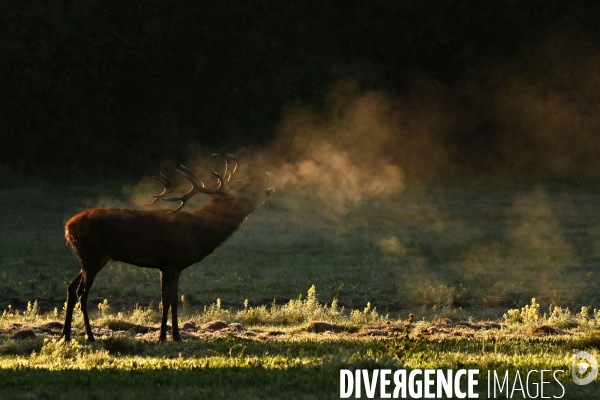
(222,211)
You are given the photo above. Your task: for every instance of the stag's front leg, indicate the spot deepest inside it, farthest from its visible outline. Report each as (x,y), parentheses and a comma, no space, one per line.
(174,301)
(166,282)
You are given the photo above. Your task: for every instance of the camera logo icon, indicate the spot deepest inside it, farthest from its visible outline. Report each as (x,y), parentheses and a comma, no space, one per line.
(585,368)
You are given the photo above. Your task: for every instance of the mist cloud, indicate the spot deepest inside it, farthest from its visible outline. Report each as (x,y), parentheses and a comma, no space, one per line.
(521,121)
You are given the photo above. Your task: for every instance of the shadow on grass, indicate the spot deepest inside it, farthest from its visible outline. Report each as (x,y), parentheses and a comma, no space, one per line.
(249,382)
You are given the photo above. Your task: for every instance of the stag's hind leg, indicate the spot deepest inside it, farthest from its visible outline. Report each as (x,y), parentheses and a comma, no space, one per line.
(84,289)
(71,299)
(87,280)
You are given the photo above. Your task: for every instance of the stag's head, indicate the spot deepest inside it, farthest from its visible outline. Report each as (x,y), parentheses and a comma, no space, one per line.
(254,191)
(249,193)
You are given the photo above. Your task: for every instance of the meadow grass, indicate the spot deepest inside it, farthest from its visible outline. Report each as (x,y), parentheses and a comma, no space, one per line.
(269,357)
(462,252)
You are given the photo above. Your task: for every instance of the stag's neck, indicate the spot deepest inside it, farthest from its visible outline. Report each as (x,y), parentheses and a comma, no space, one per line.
(226,215)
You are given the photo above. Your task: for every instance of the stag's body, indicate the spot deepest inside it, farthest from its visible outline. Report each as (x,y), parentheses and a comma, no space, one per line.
(168,241)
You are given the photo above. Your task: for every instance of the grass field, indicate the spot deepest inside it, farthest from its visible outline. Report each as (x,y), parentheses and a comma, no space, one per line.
(456,256)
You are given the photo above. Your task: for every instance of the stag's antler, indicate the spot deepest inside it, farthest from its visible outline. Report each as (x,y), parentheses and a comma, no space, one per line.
(227,169)
(236,165)
(197,188)
(168,187)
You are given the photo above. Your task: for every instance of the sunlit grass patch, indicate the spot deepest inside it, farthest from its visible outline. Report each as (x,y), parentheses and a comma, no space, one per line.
(264,351)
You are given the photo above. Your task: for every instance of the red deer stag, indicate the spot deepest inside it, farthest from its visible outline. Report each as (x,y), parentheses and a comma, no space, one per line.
(164,239)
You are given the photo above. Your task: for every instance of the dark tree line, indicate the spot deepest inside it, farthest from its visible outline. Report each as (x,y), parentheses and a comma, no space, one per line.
(106,88)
